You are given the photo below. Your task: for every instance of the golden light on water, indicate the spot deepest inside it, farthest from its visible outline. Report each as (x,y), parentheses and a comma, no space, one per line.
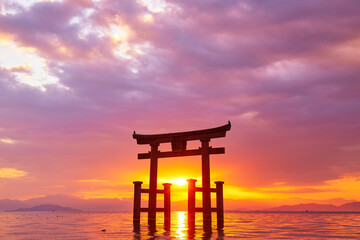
(181,225)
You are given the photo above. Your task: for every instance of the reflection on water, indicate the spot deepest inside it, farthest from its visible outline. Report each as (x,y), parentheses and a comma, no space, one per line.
(181,227)
(120,226)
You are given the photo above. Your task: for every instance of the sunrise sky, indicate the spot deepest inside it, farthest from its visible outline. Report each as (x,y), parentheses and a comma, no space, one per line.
(77,77)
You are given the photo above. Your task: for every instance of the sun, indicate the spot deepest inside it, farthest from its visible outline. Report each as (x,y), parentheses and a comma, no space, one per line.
(179,181)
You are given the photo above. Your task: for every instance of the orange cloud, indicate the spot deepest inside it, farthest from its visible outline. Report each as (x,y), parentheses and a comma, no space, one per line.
(93,181)
(7,140)
(11,173)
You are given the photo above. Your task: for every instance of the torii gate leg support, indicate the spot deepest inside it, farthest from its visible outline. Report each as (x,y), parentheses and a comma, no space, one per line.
(137,202)
(191,202)
(167,205)
(219,204)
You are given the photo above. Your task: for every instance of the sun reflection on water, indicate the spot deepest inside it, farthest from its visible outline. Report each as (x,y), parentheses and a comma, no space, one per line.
(181,225)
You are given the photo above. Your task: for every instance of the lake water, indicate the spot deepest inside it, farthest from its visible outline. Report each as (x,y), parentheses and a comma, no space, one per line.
(237,225)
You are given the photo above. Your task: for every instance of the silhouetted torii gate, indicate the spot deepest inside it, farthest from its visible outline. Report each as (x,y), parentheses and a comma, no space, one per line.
(178,144)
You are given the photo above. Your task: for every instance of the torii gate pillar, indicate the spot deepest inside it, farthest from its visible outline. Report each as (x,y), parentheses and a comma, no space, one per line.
(206,195)
(153,183)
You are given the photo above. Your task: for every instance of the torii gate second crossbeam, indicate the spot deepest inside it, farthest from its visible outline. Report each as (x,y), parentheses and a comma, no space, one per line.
(178,144)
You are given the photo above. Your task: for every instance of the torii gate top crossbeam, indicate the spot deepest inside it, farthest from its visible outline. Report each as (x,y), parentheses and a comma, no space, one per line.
(217,132)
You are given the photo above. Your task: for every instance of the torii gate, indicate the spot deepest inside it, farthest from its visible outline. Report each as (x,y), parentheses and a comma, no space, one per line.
(178,144)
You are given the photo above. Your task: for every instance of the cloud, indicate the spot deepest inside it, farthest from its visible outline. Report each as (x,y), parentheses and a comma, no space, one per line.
(297,190)
(7,140)
(93,181)
(11,173)
(351,148)
(285,74)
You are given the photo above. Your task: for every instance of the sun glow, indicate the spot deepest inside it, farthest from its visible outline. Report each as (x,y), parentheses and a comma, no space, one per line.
(119,33)
(179,181)
(25,64)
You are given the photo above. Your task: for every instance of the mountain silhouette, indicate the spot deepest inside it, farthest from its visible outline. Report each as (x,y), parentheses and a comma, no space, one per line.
(90,205)
(45,208)
(347,207)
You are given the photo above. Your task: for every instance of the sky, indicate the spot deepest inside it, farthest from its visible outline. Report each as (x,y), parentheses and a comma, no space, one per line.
(77,77)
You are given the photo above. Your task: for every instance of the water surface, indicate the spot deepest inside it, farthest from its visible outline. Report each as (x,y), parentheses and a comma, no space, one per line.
(237,225)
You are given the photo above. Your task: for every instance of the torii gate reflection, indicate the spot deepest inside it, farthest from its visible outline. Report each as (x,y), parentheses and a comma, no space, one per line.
(178,144)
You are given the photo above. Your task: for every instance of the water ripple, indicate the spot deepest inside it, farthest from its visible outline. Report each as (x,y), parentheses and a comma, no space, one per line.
(78,226)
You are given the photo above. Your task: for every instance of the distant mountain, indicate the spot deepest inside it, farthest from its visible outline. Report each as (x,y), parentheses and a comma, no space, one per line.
(45,208)
(347,207)
(6,204)
(350,207)
(91,205)
(304,207)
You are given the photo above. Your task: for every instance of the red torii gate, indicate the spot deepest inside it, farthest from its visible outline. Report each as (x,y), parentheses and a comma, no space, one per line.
(178,144)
